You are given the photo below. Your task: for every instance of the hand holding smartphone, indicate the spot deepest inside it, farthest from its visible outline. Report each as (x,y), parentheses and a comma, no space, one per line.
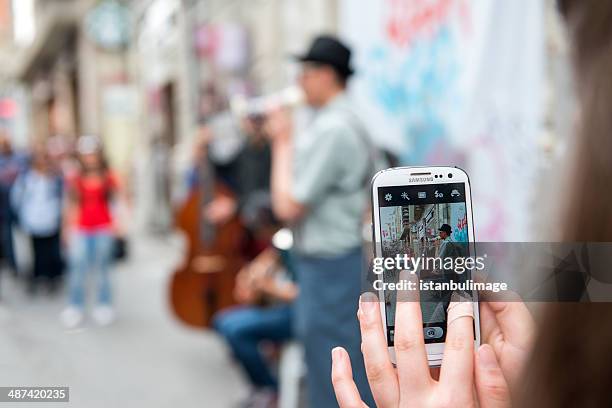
(410,383)
(424,215)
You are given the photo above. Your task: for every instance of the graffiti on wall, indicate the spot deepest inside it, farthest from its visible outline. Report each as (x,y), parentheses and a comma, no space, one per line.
(450,82)
(414,70)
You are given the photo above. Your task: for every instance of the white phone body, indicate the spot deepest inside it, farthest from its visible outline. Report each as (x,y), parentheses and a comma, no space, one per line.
(421,176)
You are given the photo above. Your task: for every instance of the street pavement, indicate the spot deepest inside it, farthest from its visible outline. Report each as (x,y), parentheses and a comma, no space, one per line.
(145,359)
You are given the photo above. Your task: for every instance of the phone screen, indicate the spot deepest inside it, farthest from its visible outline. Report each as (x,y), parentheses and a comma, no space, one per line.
(428,221)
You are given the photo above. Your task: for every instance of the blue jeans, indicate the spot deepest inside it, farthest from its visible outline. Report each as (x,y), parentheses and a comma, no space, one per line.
(245,328)
(326,317)
(89,251)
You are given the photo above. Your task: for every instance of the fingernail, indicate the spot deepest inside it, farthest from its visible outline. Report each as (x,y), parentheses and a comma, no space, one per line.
(486,356)
(336,353)
(367,302)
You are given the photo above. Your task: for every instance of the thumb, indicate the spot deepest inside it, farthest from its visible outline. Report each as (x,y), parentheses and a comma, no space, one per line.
(491,386)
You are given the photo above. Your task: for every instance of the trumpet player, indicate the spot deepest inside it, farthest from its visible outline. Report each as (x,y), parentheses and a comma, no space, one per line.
(319,186)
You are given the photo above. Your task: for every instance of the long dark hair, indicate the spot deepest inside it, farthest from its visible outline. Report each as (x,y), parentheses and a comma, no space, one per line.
(104,172)
(571,365)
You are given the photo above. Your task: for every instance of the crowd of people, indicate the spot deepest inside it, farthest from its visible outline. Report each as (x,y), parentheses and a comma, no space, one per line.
(298,179)
(61,195)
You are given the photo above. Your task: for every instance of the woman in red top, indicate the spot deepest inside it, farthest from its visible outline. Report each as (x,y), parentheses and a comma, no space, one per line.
(91,241)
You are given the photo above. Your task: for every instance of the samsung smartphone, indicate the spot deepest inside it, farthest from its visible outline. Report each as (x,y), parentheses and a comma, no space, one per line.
(423,212)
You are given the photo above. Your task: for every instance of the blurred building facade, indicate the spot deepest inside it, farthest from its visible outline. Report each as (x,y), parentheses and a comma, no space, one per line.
(140,73)
(135,72)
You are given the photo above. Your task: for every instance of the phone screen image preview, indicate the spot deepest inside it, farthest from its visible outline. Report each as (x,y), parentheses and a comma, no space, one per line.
(410,221)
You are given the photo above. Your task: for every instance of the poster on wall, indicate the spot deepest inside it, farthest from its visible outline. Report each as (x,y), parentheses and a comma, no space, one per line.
(120,124)
(456,82)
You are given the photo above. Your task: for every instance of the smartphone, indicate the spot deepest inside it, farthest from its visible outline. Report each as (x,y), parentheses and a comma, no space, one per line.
(423,212)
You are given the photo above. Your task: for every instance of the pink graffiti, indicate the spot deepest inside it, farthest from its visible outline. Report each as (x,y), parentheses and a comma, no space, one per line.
(409,19)
(462,223)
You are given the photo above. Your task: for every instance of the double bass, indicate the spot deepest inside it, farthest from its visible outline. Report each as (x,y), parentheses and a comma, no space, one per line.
(204,282)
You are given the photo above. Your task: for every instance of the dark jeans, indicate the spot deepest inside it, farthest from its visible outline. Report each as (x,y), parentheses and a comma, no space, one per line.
(47,257)
(245,328)
(326,317)
(6,242)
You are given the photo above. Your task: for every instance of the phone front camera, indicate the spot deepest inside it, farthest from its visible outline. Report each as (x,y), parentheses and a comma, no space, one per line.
(450,175)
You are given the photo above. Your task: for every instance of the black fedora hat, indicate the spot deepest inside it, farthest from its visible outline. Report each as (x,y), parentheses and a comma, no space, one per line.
(328,50)
(446,228)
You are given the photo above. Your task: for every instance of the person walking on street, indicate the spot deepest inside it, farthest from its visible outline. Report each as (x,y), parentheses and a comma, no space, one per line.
(319,186)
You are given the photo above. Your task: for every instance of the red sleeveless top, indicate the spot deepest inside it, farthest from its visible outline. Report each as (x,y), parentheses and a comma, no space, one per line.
(94,201)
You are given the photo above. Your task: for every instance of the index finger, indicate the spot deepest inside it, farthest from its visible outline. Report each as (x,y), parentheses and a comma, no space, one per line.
(409,343)
(345,389)
(379,370)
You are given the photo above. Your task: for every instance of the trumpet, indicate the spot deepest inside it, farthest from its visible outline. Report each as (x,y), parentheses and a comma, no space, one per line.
(243,107)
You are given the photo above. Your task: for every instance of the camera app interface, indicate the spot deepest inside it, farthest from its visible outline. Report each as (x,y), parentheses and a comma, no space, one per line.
(428,222)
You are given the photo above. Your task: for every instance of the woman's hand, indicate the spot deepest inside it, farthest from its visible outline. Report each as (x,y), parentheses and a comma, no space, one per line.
(411,385)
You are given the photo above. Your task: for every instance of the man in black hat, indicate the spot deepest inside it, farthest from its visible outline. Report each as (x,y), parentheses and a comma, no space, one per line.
(325,70)
(450,249)
(446,248)
(319,186)
(445,231)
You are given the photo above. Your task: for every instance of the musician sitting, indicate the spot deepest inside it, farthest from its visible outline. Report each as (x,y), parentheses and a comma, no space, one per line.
(267,292)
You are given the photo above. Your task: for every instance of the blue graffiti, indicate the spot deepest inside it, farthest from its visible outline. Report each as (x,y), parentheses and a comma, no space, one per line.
(417,87)
(460,235)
